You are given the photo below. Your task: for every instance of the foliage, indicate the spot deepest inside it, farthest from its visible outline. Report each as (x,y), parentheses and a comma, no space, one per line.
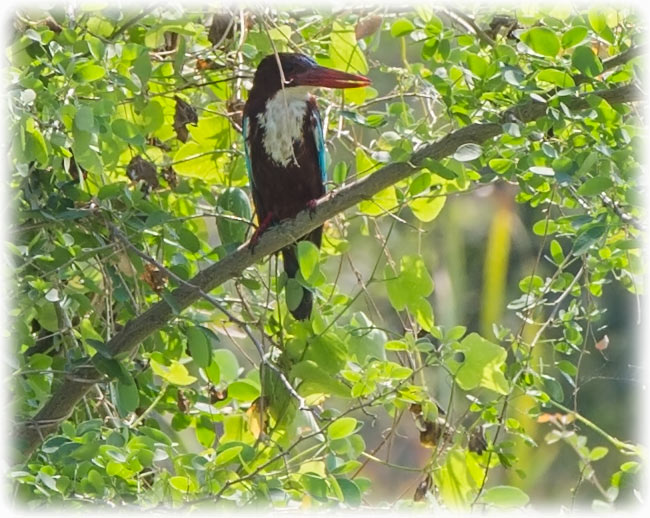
(126,136)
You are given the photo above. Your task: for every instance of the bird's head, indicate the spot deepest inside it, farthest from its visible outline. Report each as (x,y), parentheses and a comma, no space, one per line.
(300,70)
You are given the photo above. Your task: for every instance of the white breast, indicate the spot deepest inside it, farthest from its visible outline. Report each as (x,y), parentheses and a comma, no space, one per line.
(282,122)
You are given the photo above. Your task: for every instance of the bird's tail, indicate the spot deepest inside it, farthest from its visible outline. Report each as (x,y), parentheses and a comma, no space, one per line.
(290,259)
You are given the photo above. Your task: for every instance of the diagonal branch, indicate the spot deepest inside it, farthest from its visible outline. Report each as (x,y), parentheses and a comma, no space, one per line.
(74,386)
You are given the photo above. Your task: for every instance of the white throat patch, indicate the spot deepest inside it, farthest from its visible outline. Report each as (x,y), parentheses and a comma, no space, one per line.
(282,121)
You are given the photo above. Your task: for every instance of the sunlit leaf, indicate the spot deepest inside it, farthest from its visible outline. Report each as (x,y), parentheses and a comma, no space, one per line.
(505,497)
(542,40)
(481,365)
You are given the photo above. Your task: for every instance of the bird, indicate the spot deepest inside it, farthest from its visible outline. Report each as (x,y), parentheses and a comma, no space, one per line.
(285,148)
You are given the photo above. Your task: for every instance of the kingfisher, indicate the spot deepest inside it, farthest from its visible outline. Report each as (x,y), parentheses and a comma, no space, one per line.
(285,147)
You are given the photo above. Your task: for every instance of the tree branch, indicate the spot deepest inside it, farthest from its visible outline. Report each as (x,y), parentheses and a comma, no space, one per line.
(75,385)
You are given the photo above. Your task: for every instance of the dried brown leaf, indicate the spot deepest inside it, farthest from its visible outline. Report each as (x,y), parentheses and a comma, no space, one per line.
(154,277)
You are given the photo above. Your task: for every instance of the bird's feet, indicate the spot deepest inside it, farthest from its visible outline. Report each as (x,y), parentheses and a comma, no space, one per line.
(311,205)
(266,222)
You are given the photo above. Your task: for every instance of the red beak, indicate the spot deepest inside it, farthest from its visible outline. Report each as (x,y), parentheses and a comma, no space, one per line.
(330,78)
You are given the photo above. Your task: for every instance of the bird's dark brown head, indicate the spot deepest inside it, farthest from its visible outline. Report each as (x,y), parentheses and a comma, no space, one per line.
(299,70)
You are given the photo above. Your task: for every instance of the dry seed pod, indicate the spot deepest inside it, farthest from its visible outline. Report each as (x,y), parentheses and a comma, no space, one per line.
(423,487)
(182,402)
(170,177)
(183,115)
(367,26)
(217,395)
(154,277)
(141,169)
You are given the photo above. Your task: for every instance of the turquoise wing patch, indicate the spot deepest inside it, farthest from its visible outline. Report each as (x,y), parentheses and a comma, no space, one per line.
(320,146)
(247,154)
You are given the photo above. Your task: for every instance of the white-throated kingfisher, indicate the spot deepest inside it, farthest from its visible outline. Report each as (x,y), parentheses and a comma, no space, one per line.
(285,148)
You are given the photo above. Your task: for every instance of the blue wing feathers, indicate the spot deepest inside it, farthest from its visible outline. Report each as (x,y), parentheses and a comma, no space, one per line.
(320,146)
(247,155)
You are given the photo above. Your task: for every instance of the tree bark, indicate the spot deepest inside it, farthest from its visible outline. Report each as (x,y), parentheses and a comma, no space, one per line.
(30,434)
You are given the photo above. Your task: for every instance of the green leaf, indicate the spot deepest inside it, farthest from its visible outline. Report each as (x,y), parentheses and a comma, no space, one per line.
(478,65)
(176,373)
(481,365)
(96,47)
(213,372)
(128,397)
(630,467)
(574,36)
(543,171)
(308,255)
(382,202)
(468,152)
(542,40)
(588,239)
(505,497)
(557,77)
(584,59)
(597,20)
(545,227)
(315,486)
(293,292)
(340,172)
(351,492)
(420,183)
(598,453)
(401,27)
(316,380)
(345,54)
(587,164)
(36,146)
(204,429)
(96,480)
(567,367)
(183,484)
(396,345)
(500,165)
(153,116)
(458,479)
(595,186)
(437,168)
(88,72)
(196,158)
(364,163)
(228,364)
(126,130)
(233,201)
(84,119)
(423,312)
(244,390)
(199,346)
(556,251)
(228,455)
(188,239)
(342,427)
(412,282)
(427,208)
(367,344)
(142,67)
